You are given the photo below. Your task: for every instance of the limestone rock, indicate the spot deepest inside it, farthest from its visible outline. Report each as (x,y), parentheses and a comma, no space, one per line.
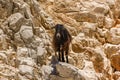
(85,17)
(26,51)
(22,52)
(66,72)
(23,8)
(89,29)
(3,42)
(26,33)
(77,59)
(15,21)
(116,75)
(3,58)
(8,71)
(115,60)
(27,61)
(113,36)
(101,9)
(111,49)
(109,23)
(46,71)
(45,19)
(26,70)
(41,55)
(12,58)
(18,40)
(100,62)
(11,26)
(5,8)
(79,42)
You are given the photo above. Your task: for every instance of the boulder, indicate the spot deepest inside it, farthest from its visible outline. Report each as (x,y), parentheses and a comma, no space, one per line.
(85,17)
(115,58)
(27,61)
(15,21)
(22,52)
(45,19)
(109,23)
(110,49)
(41,55)
(23,8)
(113,36)
(89,29)
(46,71)
(26,33)
(3,42)
(100,62)
(5,8)
(12,58)
(116,75)
(66,72)
(18,40)
(80,41)
(3,57)
(100,8)
(26,70)
(8,72)
(13,24)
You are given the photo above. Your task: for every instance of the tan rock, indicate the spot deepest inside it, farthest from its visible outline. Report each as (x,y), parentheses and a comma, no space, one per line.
(26,24)
(22,52)
(26,70)
(45,19)
(5,8)
(3,58)
(116,75)
(46,71)
(110,49)
(85,17)
(15,21)
(41,55)
(79,42)
(23,8)
(8,71)
(3,42)
(67,72)
(100,62)
(113,36)
(89,29)
(115,58)
(109,23)
(26,33)
(18,40)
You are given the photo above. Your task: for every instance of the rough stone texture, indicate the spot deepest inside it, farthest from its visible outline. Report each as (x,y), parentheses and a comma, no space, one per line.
(113,36)
(26,51)
(111,49)
(116,75)
(115,60)
(66,72)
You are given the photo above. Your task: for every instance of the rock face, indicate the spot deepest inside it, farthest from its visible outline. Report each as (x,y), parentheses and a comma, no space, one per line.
(26,51)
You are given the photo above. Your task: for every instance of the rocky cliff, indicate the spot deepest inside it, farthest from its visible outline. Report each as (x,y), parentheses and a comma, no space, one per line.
(26,51)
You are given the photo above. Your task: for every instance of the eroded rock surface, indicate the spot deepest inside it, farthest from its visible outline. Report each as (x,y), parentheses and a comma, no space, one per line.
(26,51)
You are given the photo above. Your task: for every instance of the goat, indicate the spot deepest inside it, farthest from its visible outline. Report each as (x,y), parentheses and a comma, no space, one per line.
(61,42)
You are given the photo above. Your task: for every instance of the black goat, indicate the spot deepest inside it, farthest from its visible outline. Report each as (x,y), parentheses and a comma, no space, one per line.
(61,42)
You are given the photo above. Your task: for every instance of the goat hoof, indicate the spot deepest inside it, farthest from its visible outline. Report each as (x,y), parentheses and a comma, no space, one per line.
(63,60)
(59,59)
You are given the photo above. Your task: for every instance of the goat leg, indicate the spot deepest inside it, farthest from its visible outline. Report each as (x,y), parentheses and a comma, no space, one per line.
(63,60)
(67,57)
(59,58)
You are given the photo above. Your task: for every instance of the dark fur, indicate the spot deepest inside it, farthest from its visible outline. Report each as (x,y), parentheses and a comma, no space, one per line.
(61,42)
